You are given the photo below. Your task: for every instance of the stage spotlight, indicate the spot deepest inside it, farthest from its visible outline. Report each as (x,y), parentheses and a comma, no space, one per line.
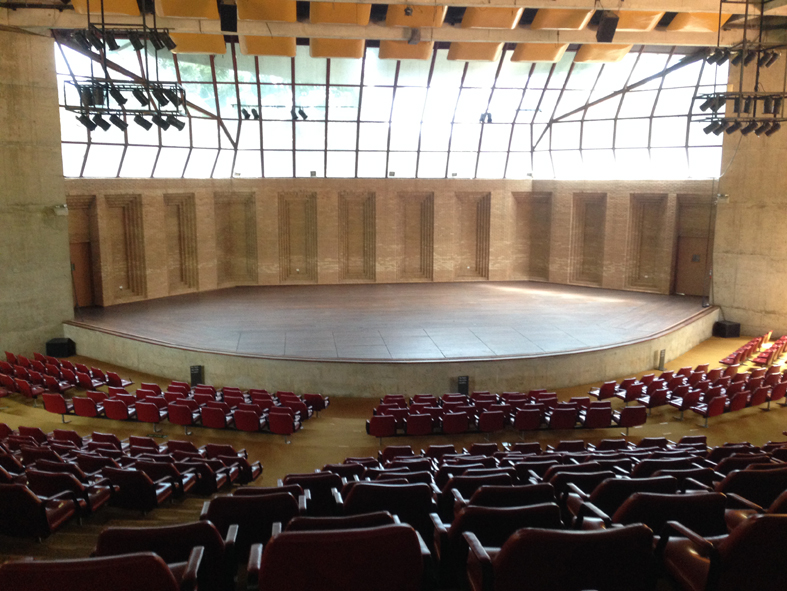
(136,41)
(774,128)
(85,120)
(173,96)
(110,40)
(168,42)
(713,57)
(772,59)
(762,128)
(482,119)
(176,123)
(736,104)
(735,61)
(85,95)
(101,122)
(712,127)
(747,105)
(718,103)
(160,122)
(140,96)
(160,97)
(777,105)
(734,127)
(255,114)
(118,96)
(725,55)
(489,117)
(142,122)
(80,39)
(157,42)
(764,57)
(94,39)
(245,113)
(294,114)
(750,57)
(749,128)
(118,122)
(767,106)
(703,107)
(722,128)
(302,113)
(98,95)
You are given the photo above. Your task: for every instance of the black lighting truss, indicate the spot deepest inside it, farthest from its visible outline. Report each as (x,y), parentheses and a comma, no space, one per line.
(759,112)
(92,96)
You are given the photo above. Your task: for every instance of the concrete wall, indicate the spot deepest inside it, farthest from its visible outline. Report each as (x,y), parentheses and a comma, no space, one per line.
(35,281)
(154,238)
(750,255)
(377,379)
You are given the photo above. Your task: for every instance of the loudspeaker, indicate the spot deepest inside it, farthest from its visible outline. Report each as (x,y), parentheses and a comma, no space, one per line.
(229,18)
(61,348)
(463,385)
(726,329)
(606,27)
(197,375)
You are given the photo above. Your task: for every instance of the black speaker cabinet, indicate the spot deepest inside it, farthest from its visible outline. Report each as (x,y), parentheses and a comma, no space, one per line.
(726,329)
(606,28)
(463,385)
(197,375)
(61,348)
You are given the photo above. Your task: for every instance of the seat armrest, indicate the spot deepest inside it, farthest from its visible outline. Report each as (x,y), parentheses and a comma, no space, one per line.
(253,567)
(479,564)
(166,480)
(337,499)
(588,509)
(396,519)
(243,452)
(534,478)
(276,529)
(704,547)
(279,482)
(232,536)
(303,504)
(739,500)
(440,533)
(426,555)
(692,484)
(573,488)
(204,513)
(435,490)
(459,500)
(620,471)
(189,580)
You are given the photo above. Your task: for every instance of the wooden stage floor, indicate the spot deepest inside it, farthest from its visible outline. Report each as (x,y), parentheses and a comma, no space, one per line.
(438,321)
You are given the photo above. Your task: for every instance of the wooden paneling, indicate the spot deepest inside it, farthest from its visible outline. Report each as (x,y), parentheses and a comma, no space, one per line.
(236,238)
(587,238)
(415,240)
(298,237)
(472,238)
(532,235)
(357,236)
(127,246)
(647,232)
(181,229)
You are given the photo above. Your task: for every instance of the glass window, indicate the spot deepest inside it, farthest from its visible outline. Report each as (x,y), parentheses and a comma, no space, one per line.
(632,133)
(568,164)
(446,74)
(371,164)
(343,103)
(513,74)
(462,165)
(276,102)
(560,72)
(583,76)
(530,105)
(310,100)
(277,135)
(538,79)
(473,102)
(648,65)
(435,136)
(173,136)
(307,69)
(599,164)
(341,136)
(103,161)
(633,164)
(571,101)
(566,135)
(72,130)
(247,70)
(378,72)
(668,132)
(440,104)
(698,137)
(408,104)
(204,131)
(404,135)
(223,168)
(277,164)
(275,70)
(638,104)
(402,164)
(193,67)
(138,135)
(201,163)
(674,102)
(504,105)
(249,135)
(495,138)
(228,132)
(309,136)
(341,164)
(491,165)
(138,162)
(542,165)
(597,134)
(373,136)
(171,163)
(669,163)
(704,162)
(431,165)
(248,164)
(464,137)
(480,74)
(685,76)
(376,104)
(307,163)
(546,109)
(346,71)
(201,95)
(413,72)
(520,138)
(606,109)
(520,165)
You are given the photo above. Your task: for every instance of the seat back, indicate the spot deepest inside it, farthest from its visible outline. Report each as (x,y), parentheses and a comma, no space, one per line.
(700,512)
(412,503)
(319,485)
(612,493)
(116,409)
(759,486)
(34,432)
(513,496)
(751,557)
(375,519)
(649,467)
(130,572)
(341,560)
(614,560)
(598,418)
(21,513)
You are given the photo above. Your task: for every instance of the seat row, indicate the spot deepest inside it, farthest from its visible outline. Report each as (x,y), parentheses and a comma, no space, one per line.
(744,353)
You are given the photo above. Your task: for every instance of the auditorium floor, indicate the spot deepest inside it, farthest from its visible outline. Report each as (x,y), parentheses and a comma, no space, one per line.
(434,321)
(340,432)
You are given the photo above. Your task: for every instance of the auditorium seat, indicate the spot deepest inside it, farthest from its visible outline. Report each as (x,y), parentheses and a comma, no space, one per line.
(455,422)
(466,486)
(52,384)
(180,413)
(135,489)
(23,514)
(596,417)
(216,418)
(758,486)
(51,484)
(118,410)
(113,379)
(174,544)
(181,481)
(320,485)
(418,424)
(506,496)
(491,420)
(610,494)
(630,416)
(29,391)
(83,380)
(55,403)
(748,559)
(713,408)
(282,423)
(613,560)
(492,526)
(606,390)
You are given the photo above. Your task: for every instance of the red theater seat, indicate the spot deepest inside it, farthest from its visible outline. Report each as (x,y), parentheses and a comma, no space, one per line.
(23,514)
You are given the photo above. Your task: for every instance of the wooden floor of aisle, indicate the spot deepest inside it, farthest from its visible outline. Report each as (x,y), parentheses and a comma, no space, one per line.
(339,432)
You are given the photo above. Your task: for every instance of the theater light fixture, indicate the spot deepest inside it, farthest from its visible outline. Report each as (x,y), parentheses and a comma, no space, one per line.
(176,123)
(101,122)
(118,96)
(142,122)
(255,114)
(294,114)
(774,128)
(302,113)
(245,113)
(118,122)
(712,127)
(85,120)
(160,122)
(749,128)
(160,97)
(173,96)
(140,96)
(136,41)
(734,127)
(762,128)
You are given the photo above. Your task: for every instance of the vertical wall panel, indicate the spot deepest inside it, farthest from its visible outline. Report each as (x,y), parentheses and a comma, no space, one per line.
(298,237)
(127,246)
(587,238)
(236,238)
(415,236)
(532,235)
(472,239)
(646,241)
(357,236)
(181,230)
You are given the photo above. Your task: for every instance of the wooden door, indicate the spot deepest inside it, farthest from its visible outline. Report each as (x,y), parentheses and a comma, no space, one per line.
(691,266)
(82,274)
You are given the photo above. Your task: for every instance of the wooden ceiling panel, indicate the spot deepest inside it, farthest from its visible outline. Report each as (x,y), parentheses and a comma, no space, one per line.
(279,46)
(491,18)
(539,52)
(188,8)
(342,13)
(697,22)
(402,50)
(601,53)
(561,19)
(466,52)
(198,43)
(337,48)
(634,21)
(422,16)
(113,7)
(281,11)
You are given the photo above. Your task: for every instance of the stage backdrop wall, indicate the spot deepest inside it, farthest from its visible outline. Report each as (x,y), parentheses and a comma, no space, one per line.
(154,238)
